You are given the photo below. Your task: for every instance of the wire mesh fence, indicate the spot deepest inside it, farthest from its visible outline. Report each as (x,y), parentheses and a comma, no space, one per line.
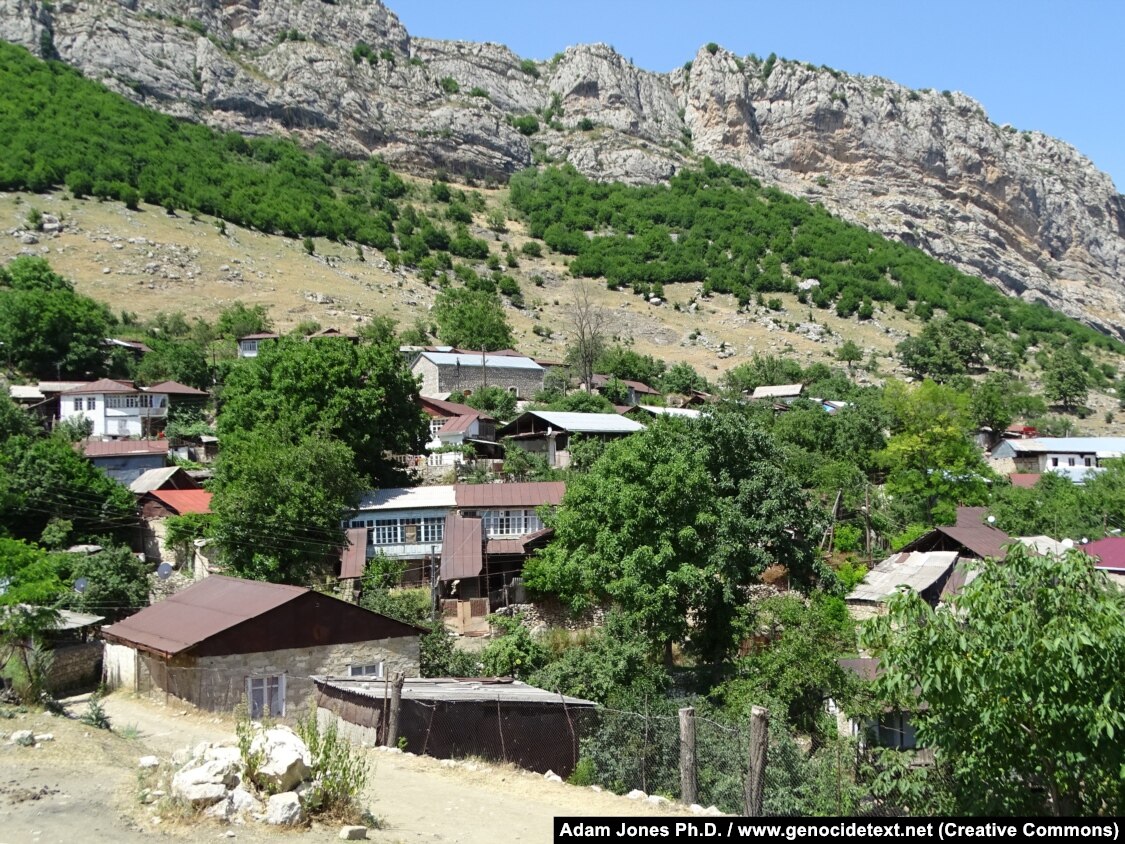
(706,759)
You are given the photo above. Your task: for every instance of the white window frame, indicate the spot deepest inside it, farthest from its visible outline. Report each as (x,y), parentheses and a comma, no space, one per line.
(436,424)
(276,705)
(374,670)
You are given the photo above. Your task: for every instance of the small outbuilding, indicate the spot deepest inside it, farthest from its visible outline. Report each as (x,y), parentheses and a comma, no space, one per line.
(449,718)
(225,639)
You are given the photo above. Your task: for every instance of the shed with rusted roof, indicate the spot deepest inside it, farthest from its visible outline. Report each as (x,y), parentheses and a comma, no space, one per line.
(225,639)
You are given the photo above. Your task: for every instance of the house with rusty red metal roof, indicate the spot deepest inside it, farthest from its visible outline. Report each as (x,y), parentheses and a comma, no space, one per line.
(225,639)
(470,539)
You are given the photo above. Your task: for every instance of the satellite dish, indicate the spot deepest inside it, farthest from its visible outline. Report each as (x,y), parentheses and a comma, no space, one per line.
(992,520)
(1084,541)
(1067,543)
(81,585)
(164,571)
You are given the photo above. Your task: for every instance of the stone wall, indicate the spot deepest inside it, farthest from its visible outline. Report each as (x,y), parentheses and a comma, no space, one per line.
(76,666)
(219,682)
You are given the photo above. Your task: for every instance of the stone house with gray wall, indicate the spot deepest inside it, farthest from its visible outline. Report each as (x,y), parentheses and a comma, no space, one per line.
(225,639)
(442,373)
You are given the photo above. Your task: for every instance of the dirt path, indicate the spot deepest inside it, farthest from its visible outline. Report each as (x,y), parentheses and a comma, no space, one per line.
(83,787)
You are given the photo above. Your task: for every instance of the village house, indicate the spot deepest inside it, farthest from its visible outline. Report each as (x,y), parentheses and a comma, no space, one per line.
(893,728)
(937,565)
(224,639)
(636,390)
(644,412)
(778,392)
(470,539)
(443,373)
(125,460)
(454,425)
(156,506)
(458,718)
(1070,455)
(548,432)
(116,408)
(249,344)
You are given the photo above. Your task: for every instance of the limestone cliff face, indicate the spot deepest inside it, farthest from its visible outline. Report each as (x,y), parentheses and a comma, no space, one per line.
(1023,210)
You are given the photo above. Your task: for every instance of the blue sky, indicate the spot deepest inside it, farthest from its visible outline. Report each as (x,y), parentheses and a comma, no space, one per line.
(1050,66)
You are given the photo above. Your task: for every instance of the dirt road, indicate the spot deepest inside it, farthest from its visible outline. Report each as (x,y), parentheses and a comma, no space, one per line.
(83,787)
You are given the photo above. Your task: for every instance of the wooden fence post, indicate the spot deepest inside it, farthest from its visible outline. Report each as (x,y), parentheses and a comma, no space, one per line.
(689,785)
(756,775)
(396,703)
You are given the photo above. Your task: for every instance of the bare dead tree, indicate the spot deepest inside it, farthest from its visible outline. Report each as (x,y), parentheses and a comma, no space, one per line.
(588,321)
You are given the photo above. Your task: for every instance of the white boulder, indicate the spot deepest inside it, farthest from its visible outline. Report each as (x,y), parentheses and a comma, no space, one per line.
(26,738)
(285,759)
(284,809)
(353,833)
(146,762)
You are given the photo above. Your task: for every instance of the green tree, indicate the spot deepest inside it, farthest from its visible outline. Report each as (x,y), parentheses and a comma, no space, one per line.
(362,395)
(47,329)
(682,378)
(1021,677)
(615,391)
(279,500)
(849,353)
(116,582)
(495,401)
(44,477)
(932,464)
(472,319)
(239,319)
(665,526)
(1065,379)
(175,360)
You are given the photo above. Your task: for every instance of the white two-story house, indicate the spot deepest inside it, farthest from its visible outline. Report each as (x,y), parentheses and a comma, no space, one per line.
(116,408)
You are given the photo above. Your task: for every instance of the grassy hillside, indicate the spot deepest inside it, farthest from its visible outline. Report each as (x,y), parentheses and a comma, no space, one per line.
(210,218)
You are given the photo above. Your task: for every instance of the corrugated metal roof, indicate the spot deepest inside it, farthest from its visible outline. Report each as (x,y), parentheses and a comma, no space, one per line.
(491,361)
(455,690)
(59,386)
(637,386)
(1109,552)
(1108,446)
(777,391)
(458,424)
(532,494)
(867,668)
(184,500)
(409,498)
(26,393)
(263,336)
(917,570)
(1024,479)
(121,448)
(462,550)
(1043,545)
(440,407)
(152,479)
(517,546)
(982,540)
(353,558)
(174,388)
(199,612)
(685,412)
(588,423)
(105,385)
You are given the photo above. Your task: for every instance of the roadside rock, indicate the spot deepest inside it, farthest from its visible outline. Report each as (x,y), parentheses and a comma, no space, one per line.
(284,809)
(353,833)
(24,738)
(286,759)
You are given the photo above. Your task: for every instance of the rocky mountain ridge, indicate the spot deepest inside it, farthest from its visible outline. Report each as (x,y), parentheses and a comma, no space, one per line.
(1025,211)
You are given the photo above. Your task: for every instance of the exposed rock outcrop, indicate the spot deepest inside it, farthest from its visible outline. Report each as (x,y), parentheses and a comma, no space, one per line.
(1025,211)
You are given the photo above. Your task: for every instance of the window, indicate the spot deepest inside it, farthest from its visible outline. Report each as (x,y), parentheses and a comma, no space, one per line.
(1054,461)
(266,695)
(436,424)
(411,530)
(113,401)
(132,401)
(374,670)
(386,532)
(510,522)
(433,530)
(515,391)
(249,345)
(1088,461)
(1070,461)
